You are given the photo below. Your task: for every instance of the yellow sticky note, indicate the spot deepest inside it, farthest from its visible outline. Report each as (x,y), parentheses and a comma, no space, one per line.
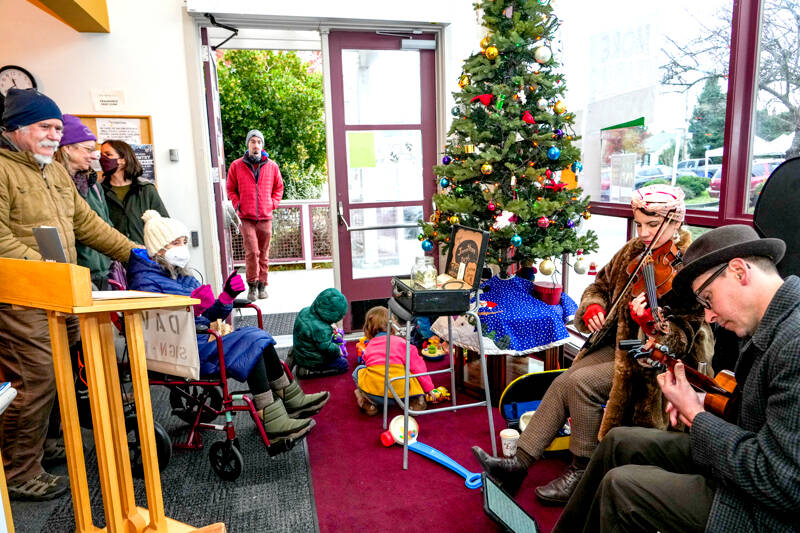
(360,149)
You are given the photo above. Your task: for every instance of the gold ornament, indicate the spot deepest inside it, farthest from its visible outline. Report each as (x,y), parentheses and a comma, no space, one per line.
(454,220)
(559,107)
(469,148)
(486,168)
(485,42)
(492,52)
(463,81)
(586,215)
(547,267)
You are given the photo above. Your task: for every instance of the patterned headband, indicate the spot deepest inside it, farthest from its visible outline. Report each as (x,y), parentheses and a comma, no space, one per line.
(660,199)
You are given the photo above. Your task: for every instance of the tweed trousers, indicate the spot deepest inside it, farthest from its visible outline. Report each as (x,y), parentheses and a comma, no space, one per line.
(579,392)
(26,360)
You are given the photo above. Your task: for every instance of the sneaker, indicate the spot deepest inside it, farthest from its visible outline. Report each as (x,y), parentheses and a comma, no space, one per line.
(54,453)
(262,290)
(41,487)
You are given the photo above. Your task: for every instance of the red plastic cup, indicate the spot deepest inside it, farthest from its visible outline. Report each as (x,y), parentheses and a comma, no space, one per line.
(386,438)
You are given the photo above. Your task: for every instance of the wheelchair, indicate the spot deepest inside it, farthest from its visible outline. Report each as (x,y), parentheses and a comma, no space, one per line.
(198,403)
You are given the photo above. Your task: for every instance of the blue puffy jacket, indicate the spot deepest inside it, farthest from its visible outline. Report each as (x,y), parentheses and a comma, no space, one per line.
(242,346)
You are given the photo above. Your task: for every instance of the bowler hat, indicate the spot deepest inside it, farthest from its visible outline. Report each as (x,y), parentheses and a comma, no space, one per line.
(719,246)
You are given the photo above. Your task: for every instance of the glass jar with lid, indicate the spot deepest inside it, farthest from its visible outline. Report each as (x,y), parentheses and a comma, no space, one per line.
(423,273)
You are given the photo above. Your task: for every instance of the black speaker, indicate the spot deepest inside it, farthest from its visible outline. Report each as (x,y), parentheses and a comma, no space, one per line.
(776,212)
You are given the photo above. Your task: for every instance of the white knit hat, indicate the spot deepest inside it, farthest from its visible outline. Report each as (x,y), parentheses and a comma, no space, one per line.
(160,231)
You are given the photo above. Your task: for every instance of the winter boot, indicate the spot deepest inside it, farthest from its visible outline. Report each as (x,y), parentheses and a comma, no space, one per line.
(558,491)
(279,426)
(251,294)
(262,291)
(297,403)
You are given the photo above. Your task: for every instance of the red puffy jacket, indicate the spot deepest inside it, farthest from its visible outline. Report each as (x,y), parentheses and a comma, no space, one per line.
(255,199)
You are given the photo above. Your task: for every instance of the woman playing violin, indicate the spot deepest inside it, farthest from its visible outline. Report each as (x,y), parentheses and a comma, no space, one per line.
(605,387)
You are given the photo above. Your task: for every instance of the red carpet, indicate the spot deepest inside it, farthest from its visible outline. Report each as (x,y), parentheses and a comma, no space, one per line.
(360,485)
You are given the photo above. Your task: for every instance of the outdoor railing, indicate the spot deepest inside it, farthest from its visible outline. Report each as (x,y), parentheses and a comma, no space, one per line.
(301,233)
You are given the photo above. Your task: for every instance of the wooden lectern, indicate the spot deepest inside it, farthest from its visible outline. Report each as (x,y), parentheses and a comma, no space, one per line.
(62,289)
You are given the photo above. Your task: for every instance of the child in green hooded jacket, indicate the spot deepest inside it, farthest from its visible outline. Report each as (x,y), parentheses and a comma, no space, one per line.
(315,351)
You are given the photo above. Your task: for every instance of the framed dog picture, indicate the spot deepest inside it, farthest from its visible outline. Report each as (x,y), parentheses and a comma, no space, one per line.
(466,255)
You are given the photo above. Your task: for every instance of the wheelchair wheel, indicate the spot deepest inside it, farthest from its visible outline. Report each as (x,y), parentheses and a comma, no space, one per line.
(226,460)
(186,409)
(163,446)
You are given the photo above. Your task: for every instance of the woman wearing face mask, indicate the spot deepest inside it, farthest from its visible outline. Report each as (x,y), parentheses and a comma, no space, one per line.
(128,195)
(77,151)
(249,352)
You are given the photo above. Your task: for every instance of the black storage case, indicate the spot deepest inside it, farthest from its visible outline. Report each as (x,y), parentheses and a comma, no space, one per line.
(468,247)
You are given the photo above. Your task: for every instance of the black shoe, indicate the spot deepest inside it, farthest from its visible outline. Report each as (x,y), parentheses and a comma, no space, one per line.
(509,473)
(558,491)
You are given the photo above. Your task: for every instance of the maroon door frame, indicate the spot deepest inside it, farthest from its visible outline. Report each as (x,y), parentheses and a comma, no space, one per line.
(217,157)
(742,81)
(374,288)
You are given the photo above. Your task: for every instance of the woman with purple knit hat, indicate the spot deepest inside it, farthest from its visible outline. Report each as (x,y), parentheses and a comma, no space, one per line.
(77,150)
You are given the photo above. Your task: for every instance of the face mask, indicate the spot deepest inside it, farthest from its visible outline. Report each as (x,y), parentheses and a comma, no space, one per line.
(108,164)
(177,256)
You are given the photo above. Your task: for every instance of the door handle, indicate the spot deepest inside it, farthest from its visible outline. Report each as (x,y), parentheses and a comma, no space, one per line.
(340,213)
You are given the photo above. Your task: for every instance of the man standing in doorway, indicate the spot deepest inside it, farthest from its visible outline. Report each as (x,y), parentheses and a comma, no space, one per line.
(255,188)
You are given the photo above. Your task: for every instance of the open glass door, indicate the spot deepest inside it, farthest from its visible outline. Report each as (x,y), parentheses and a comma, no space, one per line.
(384,129)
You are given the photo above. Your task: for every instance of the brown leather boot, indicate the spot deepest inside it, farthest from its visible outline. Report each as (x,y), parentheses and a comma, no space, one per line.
(509,473)
(558,491)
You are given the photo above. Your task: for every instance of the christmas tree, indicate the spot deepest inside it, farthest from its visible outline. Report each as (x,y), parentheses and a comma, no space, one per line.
(510,166)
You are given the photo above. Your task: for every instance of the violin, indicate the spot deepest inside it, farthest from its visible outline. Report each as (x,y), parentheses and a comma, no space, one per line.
(722,392)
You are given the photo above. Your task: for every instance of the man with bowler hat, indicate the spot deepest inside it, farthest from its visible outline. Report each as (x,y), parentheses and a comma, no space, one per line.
(720,475)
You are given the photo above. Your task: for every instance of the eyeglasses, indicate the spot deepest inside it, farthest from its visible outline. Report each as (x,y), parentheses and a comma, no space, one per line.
(703,301)
(88,149)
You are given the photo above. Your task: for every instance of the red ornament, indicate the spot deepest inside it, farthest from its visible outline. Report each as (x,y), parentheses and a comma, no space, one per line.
(528,118)
(543,222)
(485,99)
(592,269)
(548,173)
(491,206)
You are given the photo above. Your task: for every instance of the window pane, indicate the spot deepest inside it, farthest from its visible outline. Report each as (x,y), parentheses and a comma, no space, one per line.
(384,252)
(778,98)
(384,165)
(611,235)
(381,87)
(663,64)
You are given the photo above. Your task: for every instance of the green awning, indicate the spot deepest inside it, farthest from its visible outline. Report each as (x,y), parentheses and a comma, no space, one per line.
(635,122)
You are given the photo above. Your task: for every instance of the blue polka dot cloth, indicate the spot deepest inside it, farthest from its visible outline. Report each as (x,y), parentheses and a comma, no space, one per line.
(517,321)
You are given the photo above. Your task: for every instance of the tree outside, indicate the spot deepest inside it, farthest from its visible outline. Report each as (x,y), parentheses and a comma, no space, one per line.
(707,124)
(278,93)
(778,80)
(510,159)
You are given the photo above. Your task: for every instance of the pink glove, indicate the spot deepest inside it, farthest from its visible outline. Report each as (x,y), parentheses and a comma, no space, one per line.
(206,297)
(233,286)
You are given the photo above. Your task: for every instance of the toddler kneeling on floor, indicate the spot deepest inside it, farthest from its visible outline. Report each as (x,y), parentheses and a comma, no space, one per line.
(369,377)
(316,351)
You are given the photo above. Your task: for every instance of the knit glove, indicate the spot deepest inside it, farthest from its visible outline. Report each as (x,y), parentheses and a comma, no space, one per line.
(591,312)
(233,287)
(206,297)
(645,320)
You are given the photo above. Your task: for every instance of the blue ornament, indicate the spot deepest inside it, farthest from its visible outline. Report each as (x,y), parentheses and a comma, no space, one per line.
(444,182)
(446,160)
(427,245)
(516,240)
(577,166)
(553,153)
(570,223)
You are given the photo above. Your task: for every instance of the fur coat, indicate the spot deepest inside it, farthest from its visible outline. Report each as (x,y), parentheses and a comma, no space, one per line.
(635,397)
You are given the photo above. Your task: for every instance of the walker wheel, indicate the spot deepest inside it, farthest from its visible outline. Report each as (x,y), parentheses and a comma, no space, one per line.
(186,408)
(226,460)
(163,446)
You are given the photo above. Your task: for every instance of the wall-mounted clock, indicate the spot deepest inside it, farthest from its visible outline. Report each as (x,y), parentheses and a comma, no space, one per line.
(14,76)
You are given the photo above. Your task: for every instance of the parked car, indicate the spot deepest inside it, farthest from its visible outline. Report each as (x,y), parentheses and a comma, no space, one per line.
(697,167)
(759,172)
(644,175)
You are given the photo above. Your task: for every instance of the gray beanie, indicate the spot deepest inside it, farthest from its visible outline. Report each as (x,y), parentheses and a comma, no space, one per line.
(254,133)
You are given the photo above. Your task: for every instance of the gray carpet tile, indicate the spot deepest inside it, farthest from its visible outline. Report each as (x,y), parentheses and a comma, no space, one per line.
(275,324)
(272,494)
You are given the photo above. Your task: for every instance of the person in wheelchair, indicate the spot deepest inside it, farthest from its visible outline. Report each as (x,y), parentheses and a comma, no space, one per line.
(249,352)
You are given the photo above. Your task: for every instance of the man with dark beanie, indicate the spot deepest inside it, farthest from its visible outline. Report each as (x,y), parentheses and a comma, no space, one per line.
(36,191)
(255,187)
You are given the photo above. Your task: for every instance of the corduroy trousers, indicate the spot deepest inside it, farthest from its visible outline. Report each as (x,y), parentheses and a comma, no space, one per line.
(256,236)
(579,392)
(26,360)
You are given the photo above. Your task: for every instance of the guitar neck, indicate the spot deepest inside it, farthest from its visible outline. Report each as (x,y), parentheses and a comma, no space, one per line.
(701,381)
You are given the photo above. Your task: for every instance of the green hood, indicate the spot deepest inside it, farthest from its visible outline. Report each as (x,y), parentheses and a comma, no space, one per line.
(330,305)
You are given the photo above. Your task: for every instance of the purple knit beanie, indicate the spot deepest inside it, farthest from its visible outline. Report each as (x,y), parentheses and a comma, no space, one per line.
(75,131)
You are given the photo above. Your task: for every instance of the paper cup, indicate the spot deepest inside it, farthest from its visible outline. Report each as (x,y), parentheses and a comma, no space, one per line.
(508,438)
